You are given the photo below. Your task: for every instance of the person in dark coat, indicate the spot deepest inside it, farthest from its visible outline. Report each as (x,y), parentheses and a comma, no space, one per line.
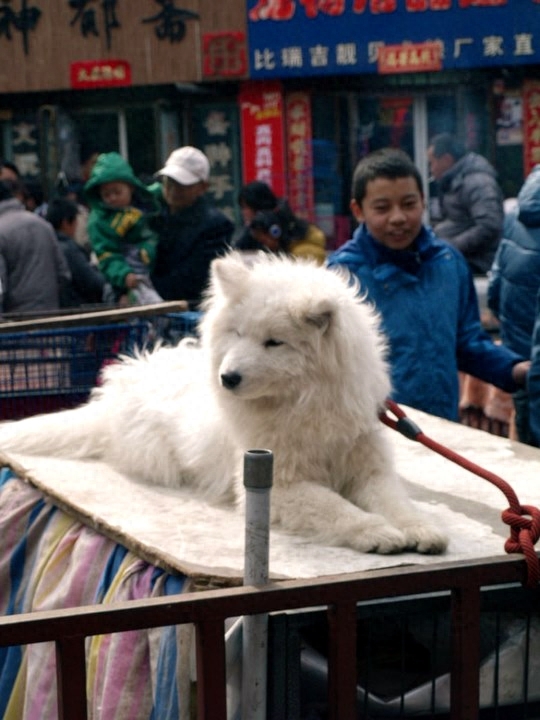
(254,197)
(514,282)
(270,225)
(88,286)
(191,232)
(471,201)
(33,269)
(533,384)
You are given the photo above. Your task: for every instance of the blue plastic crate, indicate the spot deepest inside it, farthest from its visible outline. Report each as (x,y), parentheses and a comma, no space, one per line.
(46,370)
(172,327)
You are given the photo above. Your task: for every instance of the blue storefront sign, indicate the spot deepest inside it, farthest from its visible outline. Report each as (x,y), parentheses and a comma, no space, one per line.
(300,38)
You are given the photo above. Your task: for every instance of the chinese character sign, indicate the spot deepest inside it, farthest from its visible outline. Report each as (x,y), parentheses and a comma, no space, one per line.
(23,20)
(91,74)
(300,154)
(262,135)
(170,21)
(224,54)
(85,18)
(298,38)
(216,134)
(25,145)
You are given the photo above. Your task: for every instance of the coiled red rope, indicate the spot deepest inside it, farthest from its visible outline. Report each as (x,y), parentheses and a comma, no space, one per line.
(524,520)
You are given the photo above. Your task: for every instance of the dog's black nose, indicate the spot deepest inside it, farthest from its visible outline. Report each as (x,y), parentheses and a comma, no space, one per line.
(231,380)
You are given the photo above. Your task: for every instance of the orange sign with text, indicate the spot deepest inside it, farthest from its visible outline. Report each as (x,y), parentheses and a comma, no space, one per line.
(409,57)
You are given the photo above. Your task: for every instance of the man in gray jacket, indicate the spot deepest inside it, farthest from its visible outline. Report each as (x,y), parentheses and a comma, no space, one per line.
(32,267)
(471,201)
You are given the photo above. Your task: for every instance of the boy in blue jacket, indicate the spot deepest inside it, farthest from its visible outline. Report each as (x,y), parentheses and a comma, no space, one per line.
(422,289)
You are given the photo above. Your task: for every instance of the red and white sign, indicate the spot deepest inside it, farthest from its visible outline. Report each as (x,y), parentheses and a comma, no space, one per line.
(531,125)
(409,57)
(300,154)
(263,157)
(91,74)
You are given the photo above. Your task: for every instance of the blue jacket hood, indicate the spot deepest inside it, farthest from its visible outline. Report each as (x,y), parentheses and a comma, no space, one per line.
(529,199)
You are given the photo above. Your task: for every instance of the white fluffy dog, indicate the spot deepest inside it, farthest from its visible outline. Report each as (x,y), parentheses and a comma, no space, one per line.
(291,360)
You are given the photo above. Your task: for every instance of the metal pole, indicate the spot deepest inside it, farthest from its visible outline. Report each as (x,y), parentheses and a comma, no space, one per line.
(258,466)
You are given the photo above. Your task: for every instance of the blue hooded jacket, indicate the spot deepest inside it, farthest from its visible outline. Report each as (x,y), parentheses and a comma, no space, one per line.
(429,314)
(515,276)
(514,288)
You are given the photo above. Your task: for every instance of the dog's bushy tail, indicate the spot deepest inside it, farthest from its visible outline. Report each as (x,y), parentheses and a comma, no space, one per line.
(78,433)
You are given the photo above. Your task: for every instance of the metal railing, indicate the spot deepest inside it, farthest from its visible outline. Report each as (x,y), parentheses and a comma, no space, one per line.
(208,610)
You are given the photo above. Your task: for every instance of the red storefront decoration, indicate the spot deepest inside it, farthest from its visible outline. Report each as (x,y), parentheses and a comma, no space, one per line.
(224,54)
(300,154)
(261,111)
(531,125)
(91,74)
(410,57)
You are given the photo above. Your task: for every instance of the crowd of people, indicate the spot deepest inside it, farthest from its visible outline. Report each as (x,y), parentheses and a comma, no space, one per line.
(128,243)
(109,239)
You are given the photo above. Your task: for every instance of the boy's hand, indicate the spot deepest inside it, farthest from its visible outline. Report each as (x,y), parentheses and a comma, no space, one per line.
(520,372)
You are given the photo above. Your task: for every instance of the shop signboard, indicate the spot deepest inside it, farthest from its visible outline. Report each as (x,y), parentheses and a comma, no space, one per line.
(300,38)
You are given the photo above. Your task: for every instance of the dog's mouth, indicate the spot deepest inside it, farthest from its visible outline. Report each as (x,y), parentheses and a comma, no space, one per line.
(236,384)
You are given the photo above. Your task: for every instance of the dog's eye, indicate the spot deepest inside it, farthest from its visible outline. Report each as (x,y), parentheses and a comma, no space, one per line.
(272,343)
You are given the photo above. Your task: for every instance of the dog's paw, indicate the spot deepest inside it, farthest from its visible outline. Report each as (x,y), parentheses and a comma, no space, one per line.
(426,539)
(381,538)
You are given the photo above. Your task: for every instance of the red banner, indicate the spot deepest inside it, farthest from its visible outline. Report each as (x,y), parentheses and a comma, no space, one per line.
(531,125)
(299,154)
(263,158)
(92,74)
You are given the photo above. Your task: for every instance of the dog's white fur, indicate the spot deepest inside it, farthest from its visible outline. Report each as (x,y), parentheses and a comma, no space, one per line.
(291,360)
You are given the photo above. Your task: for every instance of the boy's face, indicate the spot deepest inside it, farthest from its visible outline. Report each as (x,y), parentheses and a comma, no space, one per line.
(116,194)
(392,211)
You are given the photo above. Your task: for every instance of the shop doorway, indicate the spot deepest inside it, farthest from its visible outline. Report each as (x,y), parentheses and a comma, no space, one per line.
(69,138)
(406,122)
(355,124)
(129,131)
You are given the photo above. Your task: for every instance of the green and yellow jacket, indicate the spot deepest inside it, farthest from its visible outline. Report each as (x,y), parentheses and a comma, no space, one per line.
(121,237)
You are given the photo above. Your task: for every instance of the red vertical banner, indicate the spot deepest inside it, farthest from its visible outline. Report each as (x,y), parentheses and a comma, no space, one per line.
(298,134)
(263,155)
(531,125)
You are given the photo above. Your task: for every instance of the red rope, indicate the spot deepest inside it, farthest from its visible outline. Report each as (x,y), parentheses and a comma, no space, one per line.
(524,520)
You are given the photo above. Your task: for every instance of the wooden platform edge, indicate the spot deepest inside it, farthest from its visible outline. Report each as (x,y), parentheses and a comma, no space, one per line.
(94,317)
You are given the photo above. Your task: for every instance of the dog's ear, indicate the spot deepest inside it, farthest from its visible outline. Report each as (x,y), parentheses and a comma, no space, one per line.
(229,276)
(321,315)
